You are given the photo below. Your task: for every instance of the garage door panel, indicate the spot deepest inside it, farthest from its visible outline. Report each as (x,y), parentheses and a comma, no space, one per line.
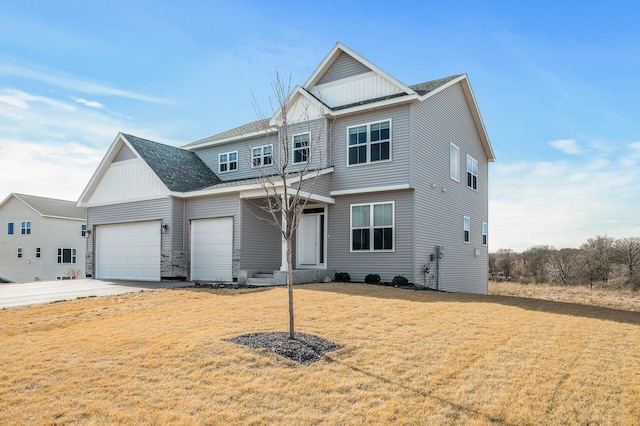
(128,251)
(212,249)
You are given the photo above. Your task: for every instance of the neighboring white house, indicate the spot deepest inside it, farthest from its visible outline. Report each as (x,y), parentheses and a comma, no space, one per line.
(41,238)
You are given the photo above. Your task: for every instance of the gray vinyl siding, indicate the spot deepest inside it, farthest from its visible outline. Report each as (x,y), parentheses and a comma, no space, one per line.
(375,174)
(343,67)
(124,154)
(178,225)
(359,264)
(438,121)
(261,240)
(317,142)
(317,186)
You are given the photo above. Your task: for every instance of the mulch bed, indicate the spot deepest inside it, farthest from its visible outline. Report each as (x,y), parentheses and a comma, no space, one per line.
(304,349)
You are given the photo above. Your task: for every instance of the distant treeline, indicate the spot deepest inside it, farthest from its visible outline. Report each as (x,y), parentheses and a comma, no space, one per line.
(597,261)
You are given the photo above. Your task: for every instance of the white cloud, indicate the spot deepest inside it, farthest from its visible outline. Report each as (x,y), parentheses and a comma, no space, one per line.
(92,104)
(568,146)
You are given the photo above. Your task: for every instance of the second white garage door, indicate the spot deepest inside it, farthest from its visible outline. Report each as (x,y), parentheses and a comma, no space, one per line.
(212,249)
(128,251)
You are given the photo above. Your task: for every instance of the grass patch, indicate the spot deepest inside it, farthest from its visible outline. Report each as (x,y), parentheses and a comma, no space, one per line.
(405,357)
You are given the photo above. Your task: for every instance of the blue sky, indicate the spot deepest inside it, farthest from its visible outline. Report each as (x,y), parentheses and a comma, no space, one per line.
(556,82)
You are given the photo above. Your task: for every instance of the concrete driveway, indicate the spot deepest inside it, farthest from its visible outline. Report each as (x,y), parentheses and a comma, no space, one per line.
(40,292)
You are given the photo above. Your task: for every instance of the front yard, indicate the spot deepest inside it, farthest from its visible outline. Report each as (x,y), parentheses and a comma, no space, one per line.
(406,357)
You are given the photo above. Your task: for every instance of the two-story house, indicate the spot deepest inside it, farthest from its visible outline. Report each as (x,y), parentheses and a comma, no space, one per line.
(43,238)
(400,176)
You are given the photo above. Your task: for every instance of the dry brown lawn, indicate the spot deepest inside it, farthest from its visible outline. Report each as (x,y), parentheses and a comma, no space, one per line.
(407,357)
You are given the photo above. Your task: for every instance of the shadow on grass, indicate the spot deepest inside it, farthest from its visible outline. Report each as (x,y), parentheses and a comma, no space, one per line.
(429,296)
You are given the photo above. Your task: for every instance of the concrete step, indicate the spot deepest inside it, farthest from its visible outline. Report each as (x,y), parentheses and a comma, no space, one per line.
(263,275)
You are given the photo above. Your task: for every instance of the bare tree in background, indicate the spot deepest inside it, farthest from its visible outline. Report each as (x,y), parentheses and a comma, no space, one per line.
(628,254)
(562,266)
(597,258)
(290,179)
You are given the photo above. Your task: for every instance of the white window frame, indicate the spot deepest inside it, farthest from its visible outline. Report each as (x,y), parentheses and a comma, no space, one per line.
(261,156)
(302,149)
(228,162)
(25,227)
(368,143)
(485,233)
(472,173)
(371,227)
(19,252)
(83,230)
(74,256)
(466,230)
(454,163)
(11,229)
(38,252)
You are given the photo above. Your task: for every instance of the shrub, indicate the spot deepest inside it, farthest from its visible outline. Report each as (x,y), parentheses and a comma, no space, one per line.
(342,277)
(372,279)
(399,280)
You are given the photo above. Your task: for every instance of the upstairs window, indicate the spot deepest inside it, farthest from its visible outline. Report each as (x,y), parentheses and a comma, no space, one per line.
(25,228)
(228,162)
(466,226)
(372,227)
(454,162)
(262,155)
(369,143)
(38,252)
(19,252)
(301,148)
(484,233)
(66,255)
(83,232)
(472,172)
(10,228)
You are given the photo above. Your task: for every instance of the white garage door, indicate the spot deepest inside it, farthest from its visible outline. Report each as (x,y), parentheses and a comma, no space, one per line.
(128,251)
(212,249)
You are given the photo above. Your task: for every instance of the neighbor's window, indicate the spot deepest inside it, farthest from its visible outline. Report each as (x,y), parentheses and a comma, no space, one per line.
(83,232)
(262,155)
(19,252)
(484,233)
(10,228)
(472,172)
(66,255)
(372,226)
(369,143)
(454,162)
(467,229)
(25,228)
(228,162)
(301,148)
(38,252)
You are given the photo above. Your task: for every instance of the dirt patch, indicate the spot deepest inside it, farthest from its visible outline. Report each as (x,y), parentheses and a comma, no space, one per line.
(304,349)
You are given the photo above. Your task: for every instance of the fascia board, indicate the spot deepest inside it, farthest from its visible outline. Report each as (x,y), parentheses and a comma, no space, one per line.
(291,99)
(375,105)
(244,136)
(133,200)
(102,168)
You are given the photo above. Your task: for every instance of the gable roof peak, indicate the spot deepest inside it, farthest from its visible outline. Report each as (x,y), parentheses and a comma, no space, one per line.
(50,207)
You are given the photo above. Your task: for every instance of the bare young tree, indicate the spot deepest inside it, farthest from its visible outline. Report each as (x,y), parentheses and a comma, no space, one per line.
(289,180)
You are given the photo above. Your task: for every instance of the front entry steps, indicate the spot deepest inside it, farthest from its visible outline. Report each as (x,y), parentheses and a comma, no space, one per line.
(261,279)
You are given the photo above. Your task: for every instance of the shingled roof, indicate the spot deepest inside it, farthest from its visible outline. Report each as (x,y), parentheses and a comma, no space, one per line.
(179,170)
(429,86)
(253,127)
(52,207)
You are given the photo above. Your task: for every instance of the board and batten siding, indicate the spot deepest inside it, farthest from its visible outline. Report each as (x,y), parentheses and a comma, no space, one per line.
(261,240)
(383,173)
(359,264)
(124,154)
(441,202)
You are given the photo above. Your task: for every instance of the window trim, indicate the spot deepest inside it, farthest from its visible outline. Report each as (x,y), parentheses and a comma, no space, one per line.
(368,143)
(19,252)
(25,227)
(451,163)
(485,233)
(73,256)
(262,156)
(466,229)
(228,162)
(304,148)
(372,227)
(471,183)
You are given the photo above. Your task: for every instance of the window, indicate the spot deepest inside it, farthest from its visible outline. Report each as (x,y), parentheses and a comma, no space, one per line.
(372,227)
(454,162)
(66,255)
(484,233)
(38,252)
(83,232)
(10,228)
(25,228)
(472,172)
(301,148)
(19,252)
(369,143)
(262,155)
(467,229)
(228,162)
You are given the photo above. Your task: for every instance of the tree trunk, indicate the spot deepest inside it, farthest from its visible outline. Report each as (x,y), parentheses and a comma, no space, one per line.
(290,289)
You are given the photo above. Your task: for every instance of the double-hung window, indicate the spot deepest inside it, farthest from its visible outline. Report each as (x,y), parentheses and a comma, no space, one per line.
(372,227)
(38,252)
(19,252)
(484,233)
(9,228)
(466,226)
(369,143)
(454,162)
(472,172)
(301,148)
(262,155)
(83,230)
(25,228)
(228,162)
(66,255)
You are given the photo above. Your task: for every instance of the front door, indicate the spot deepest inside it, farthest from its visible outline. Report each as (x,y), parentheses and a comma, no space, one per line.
(310,240)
